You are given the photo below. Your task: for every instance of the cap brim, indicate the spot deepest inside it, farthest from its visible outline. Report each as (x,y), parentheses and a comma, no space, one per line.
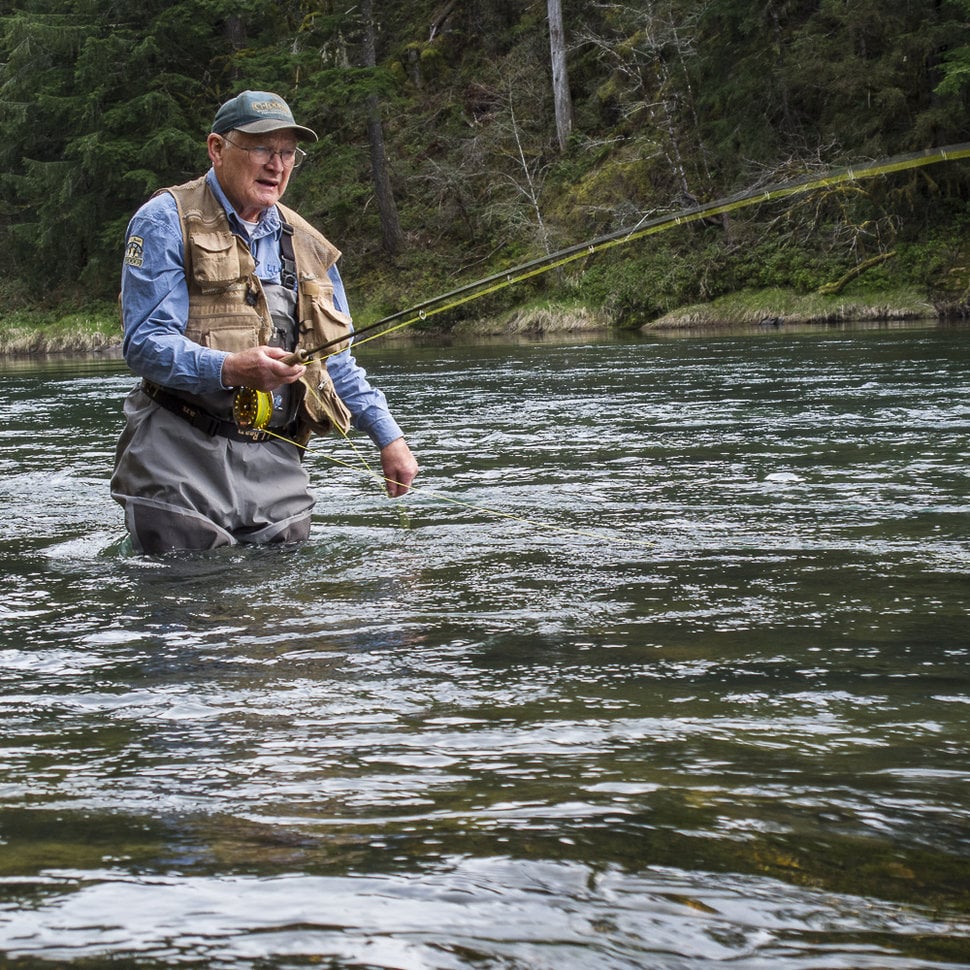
(261,127)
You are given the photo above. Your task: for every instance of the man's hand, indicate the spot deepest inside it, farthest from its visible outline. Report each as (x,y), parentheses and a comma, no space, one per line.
(260,368)
(399,467)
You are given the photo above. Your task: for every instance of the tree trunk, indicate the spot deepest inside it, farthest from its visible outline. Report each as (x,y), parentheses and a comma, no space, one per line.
(560,78)
(391,235)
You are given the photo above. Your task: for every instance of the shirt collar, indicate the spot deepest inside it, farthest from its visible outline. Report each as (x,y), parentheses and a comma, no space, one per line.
(269,219)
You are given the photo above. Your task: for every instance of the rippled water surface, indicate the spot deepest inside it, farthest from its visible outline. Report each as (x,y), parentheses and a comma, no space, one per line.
(666,666)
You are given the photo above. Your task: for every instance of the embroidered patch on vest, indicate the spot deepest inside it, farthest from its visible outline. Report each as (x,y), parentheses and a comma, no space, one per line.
(134,251)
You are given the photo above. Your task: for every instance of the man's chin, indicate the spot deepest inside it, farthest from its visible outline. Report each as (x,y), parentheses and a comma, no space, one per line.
(268,195)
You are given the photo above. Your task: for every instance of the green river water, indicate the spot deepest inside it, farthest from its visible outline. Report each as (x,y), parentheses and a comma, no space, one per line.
(666,665)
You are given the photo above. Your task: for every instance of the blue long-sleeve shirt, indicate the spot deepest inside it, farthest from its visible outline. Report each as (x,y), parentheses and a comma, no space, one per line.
(155,308)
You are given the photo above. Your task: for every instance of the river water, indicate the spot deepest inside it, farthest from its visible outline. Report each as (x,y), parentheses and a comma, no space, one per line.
(666,666)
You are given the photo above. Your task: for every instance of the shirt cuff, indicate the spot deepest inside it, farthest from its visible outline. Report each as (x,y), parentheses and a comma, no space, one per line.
(215,359)
(382,430)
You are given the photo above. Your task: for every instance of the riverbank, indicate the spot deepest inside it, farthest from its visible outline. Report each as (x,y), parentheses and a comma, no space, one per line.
(90,331)
(98,330)
(776,307)
(753,308)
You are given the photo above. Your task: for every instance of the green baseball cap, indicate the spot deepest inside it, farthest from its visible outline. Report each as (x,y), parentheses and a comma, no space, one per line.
(257,112)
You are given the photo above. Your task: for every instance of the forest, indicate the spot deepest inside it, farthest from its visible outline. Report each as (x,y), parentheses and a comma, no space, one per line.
(461,137)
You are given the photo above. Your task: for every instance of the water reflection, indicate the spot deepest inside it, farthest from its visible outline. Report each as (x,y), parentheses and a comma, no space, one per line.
(666,665)
(491,912)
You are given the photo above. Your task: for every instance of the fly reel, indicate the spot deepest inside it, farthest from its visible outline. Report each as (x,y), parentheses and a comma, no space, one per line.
(252,409)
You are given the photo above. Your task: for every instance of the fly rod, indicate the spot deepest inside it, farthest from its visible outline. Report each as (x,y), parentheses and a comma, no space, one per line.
(251,411)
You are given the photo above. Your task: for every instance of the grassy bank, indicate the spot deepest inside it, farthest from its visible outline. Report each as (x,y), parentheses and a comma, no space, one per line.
(778,306)
(79,331)
(748,308)
(98,329)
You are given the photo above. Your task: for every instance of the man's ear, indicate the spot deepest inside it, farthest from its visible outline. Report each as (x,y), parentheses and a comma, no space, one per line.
(216,145)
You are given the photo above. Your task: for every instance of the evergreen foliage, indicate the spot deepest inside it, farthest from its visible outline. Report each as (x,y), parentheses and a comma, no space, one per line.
(103,102)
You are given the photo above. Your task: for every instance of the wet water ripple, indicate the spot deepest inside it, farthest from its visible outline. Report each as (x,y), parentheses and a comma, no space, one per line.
(666,665)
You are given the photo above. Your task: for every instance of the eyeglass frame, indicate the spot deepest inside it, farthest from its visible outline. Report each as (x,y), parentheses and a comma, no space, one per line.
(298,153)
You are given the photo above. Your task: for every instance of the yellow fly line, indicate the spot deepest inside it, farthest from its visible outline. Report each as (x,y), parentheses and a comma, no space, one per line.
(364,468)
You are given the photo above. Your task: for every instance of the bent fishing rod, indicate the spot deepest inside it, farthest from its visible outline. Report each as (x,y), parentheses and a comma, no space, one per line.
(256,406)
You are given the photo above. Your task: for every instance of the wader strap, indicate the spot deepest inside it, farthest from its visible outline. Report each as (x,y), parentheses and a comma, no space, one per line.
(288,272)
(207,423)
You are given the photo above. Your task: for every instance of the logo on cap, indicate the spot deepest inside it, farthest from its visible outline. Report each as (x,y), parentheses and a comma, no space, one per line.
(267,107)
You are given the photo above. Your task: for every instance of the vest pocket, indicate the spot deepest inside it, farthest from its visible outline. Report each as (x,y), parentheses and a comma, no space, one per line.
(215,260)
(229,338)
(322,410)
(323,318)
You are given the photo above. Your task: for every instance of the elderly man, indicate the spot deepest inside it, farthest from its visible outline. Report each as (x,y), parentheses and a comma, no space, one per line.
(221,283)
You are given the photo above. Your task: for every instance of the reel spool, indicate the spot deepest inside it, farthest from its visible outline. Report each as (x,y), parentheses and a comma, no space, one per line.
(252,409)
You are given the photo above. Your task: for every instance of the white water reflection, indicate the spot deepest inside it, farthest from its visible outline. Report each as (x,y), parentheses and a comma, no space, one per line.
(471,912)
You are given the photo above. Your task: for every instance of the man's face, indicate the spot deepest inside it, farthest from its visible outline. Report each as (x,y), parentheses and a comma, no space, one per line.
(251,184)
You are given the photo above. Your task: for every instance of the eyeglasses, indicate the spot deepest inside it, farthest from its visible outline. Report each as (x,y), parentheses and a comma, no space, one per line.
(290,157)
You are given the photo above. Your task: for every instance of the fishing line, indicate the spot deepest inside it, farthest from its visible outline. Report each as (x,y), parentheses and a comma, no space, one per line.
(512,516)
(365,469)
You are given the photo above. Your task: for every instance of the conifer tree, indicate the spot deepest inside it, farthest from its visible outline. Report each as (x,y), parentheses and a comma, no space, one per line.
(101,103)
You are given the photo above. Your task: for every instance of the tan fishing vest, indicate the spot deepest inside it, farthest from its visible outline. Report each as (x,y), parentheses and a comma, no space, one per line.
(227,305)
